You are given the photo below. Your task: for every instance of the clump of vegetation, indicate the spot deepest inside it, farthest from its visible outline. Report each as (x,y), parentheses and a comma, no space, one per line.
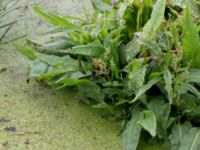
(137,59)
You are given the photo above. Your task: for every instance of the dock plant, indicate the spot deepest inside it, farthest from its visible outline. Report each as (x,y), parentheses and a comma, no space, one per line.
(137,59)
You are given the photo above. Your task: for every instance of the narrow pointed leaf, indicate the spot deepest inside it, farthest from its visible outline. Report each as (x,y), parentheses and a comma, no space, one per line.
(191,41)
(156,17)
(25,50)
(132,132)
(54,18)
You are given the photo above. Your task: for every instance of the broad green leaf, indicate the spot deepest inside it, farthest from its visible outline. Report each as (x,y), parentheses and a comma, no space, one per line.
(58,44)
(131,50)
(65,67)
(88,88)
(156,17)
(178,132)
(148,121)
(56,65)
(112,21)
(136,75)
(168,84)
(167,77)
(54,18)
(136,78)
(91,90)
(43,71)
(25,50)
(37,68)
(191,104)
(51,59)
(132,132)
(194,76)
(191,140)
(56,71)
(145,88)
(101,5)
(191,41)
(94,49)
(162,111)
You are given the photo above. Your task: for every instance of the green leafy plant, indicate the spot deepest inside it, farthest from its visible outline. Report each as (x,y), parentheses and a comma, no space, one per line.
(136,59)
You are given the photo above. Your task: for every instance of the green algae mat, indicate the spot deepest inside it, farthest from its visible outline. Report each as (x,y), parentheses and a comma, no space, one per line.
(35,117)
